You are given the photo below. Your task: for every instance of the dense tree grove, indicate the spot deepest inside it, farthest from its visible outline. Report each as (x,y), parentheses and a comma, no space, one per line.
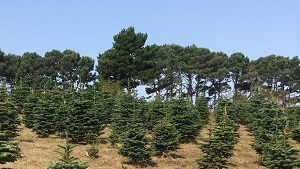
(163,69)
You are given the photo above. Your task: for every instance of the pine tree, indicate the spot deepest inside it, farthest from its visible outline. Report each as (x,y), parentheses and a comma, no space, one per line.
(267,121)
(44,116)
(155,113)
(9,151)
(67,161)
(135,146)
(241,114)
(19,95)
(165,138)
(202,108)
(218,147)
(269,126)
(185,118)
(83,124)
(29,105)
(9,121)
(125,112)
(103,104)
(64,107)
(279,153)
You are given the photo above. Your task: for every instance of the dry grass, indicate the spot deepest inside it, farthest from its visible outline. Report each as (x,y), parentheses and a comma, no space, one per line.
(38,152)
(244,156)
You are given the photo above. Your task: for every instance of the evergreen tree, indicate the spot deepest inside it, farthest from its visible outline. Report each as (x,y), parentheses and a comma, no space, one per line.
(241,115)
(3,91)
(279,153)
(64,107)
(219,146)
(67,161)
(29,105)
(83,125)
(44,116)
(185,118)
(155,113)
(135,146)
(125,112)
(165,138)
(9,151)
(103,104)
(267,121)
(9,121)
(202,108)
(19,95)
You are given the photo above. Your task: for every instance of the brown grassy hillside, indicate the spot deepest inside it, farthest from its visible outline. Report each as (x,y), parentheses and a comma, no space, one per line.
(38,152)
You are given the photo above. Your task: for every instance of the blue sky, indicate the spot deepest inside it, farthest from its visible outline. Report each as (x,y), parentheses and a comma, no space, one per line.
(254,27)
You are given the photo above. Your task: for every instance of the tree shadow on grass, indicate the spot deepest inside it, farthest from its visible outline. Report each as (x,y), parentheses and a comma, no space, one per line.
(175,156)
(103,141)
(144,164)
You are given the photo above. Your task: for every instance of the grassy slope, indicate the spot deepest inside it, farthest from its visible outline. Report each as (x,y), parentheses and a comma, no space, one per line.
(38,152)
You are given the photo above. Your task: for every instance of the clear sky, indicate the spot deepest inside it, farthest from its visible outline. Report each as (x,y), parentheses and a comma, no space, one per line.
(254,27)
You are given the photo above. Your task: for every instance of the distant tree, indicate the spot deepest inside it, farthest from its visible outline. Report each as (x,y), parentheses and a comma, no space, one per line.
(125,113)
(29,70)
(8,67)
(84,71)
(2,74)
(51,62)
(127,60)
(202,69)
(68,65)
(29,104)
(237,64)
(18,96)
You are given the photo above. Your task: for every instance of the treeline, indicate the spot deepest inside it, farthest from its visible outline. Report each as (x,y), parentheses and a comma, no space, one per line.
(167,70)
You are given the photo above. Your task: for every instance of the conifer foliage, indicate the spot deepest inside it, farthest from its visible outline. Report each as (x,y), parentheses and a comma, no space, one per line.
(185,118)
(67,161)
(44,116)
(126,112)
(29,104)
(219,146)
(9,121)
(202,108)
(9,151)
(165,138)
(135,146)
(83,125)
(279,153)
(155,113)
(270,128)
